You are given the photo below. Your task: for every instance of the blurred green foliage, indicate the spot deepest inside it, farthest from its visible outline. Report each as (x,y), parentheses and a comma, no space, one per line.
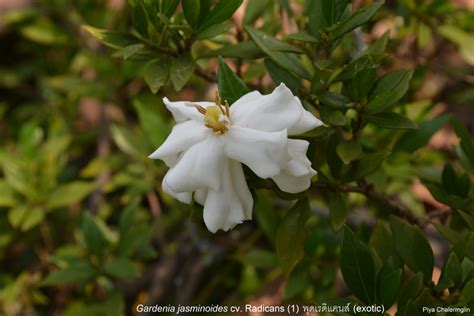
(85,228)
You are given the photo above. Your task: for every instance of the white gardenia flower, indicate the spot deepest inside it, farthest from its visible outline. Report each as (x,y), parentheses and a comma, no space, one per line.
(208,145)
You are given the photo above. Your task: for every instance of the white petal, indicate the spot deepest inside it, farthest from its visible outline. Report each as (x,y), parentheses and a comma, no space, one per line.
(232,203)
(297,174)
(200,196)
(183,136)
(184,197)
(182,111)
(199,167)
(264,153)
(306,122)
(273,112)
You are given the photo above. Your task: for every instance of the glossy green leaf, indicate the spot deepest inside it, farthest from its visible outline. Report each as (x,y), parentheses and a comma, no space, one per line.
(168,7)
(245,50)
(273,49)
(357,267)
(290,236)
(377,49)
(334,100)
(332,117)
(120,268)
(338,209)
(410,290)
(349,150)
(231,87)
(70,193)
(280,75)
(360,17)
(111,38)
(323,14)
(182,68)
(254,9)
(222,11)
(191,10)
(365,165)
(381,241)
(94,238)
(157,72)
(388,286)
(412,140)
(413,247)
(391,120)
(302,37)
(451,273)
(388,89)
(76,272)
(213,31)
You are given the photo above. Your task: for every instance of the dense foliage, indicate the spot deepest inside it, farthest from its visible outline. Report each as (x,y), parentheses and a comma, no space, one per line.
(85,228)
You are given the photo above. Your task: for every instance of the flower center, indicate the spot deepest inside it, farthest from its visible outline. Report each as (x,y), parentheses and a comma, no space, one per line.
(216,116)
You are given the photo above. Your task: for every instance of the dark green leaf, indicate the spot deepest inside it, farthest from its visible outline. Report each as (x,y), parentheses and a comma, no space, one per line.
(94,238)
(452,236)
(449,179)
(260,259)
(157,73)
(381,241)
(152,122)
(466,139)
(245,50)
(290,236)
(367,164)
(338,209)
(131,50)
(70,193)
(388,286)
(391,120)
(302,37)
(332,117)
(323,14)
(410,290)
(80,271)
(213,31)
(168,7)
(465,247)
(451,273)
(362,83)
(272,48)
(412,140)
(412,246)
(120,268)
(354,67)
(191,10)
(357,267)
(140,18)
(231,87)
(360,17)
(181,70)
(280,75)
(468,218)
(411,309)
(254,9)
(349,150)
(377,49)
(442,196)
(334,100)
(111,38)
(222,11)
(388,89)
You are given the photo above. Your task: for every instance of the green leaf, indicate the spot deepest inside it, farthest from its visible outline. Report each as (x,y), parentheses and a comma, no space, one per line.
(449,179)
(468,218)
(412,246)
(302,37)
(70,193)
(323,14)
(360,17)
(454,237)
(140,18)
(111,38)
(245,50)
(131,50)
(168,7)
(120,268)
(412,140)
(290,236)
(191,10)
(444,197)
(44,31)
(338,209)
(231,87)
(157,72)
(222,11)
(134,238)
(391,120)
(181,70)
(466,139)
(357,267)
(367,164)
(451,273)
(349,150)
(377,49)
(361,85)
(213,31)
(465,247)
(411,309)
(410,290)
(332,117)
(388,286)
(464,40)
(280,75)
(260,258)
(388,89)
(334,100)
(34,216)
(94,238)
(155,126)
(76,272)
(272,48)
(355,66)
(381,241)
(7,195)
(254,9)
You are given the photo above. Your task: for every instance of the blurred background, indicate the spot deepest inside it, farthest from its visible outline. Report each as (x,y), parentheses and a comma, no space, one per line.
(84,226)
